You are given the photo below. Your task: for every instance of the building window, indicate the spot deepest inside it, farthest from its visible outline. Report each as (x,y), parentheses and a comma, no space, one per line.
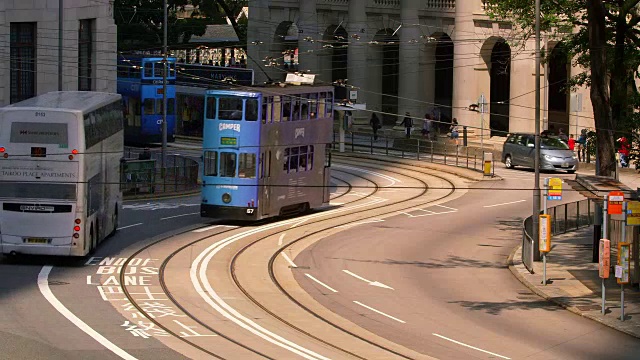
(85,55)
(23,61)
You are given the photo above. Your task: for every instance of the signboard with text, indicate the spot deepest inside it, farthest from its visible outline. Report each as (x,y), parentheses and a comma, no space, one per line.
(605,262)
(633,213)
(555,189)
(623,262)
(616,198)
(545,233)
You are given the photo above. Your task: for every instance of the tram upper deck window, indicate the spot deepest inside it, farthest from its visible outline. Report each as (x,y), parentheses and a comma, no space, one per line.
(277,109)
(267,109)
(211,107)
(313,106)
(148,69)
(229,108)
(329,104)
(322,104)
(251,111)
(227,164)
(286,108)
(158,69)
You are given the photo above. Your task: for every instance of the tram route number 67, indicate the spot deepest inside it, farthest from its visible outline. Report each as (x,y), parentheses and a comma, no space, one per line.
(250,211)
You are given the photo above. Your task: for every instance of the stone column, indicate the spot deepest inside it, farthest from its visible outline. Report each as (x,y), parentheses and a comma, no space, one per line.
(307,51)
(465,83)
(260,41)
(409,78)
(357,50)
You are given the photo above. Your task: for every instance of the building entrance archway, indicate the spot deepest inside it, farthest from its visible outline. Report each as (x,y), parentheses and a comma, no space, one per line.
(388,47)
(558,97)
(500,72)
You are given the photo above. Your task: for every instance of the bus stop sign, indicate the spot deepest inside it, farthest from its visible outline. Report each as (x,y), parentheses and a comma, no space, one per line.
(616,198)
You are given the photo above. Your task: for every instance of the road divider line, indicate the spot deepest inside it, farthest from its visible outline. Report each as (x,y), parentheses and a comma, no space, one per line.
(379,312)
(321,283)
(507,203)
(281,238)
(177,216)
(373,283)
(128,226)
(286,257)
(356,276)
(446,207)
(205,229)
(470,347)
(43,285)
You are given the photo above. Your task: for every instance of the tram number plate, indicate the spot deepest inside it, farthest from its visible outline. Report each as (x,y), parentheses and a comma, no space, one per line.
(250,211)
(37,240)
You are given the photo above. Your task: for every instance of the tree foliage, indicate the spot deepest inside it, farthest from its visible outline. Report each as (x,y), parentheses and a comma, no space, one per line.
(601,36)
(140,21)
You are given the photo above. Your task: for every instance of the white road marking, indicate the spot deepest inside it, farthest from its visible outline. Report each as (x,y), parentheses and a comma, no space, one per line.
(202,285)
(507,203)
(387,177)
(299,223)
(177,216)
(205,229)
(43,285)
(446,207)
(379,312)
(286,257)
(128,226)
(281,238)
(470,347)
(321,283)
(336,203)
(360,223)
(373,283)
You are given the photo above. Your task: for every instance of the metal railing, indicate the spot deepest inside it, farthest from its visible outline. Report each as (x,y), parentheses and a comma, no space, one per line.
(564,218)
(180,174)
(442,151)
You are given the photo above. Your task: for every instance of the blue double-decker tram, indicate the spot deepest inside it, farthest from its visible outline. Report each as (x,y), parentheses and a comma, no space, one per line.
(140,84)
(266,151)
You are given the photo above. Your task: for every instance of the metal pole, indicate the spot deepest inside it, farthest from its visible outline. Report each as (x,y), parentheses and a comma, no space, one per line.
(604,236)
(624,239)
(622,302)
(544,209)
(60,42)
(536,160)
(164,85)
(544,269)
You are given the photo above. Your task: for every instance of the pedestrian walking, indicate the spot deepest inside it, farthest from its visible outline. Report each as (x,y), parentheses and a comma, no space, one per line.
(454,130)
(375,125)
(624,152)
(582,145)
(427,125)
(408,124)
(571,143)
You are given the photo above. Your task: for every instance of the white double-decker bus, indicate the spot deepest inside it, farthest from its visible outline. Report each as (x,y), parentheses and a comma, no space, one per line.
(60,172)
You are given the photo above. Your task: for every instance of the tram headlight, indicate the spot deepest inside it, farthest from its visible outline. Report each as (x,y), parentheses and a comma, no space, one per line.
(226,198)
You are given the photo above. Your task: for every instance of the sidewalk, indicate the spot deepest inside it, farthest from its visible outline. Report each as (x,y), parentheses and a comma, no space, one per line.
(573,283)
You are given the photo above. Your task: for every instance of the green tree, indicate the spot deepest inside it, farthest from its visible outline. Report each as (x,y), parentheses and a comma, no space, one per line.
(228,9)
(606,41)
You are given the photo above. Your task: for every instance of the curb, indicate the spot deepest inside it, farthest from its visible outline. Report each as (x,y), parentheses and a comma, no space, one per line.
(541,294)
(449,169)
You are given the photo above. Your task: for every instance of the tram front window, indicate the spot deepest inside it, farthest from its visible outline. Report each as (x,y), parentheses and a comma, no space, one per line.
(227,164)
(229,108)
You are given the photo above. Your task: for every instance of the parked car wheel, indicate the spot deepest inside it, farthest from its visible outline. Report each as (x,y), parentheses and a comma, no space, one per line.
(507,162)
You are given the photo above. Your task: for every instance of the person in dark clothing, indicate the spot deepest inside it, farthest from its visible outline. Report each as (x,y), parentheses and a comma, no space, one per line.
(408,123)
(375,125)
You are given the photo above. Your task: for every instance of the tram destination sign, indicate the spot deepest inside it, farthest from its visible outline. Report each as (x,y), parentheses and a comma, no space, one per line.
(228,141)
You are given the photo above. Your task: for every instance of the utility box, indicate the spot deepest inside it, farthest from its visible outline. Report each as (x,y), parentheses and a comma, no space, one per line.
(487,163)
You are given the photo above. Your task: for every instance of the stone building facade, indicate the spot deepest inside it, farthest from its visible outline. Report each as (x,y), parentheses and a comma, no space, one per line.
(29,47)
(419,56)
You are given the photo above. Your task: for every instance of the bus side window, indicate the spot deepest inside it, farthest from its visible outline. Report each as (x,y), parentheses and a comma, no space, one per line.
(211,108)
(277,109)
(247,166)
(148,106)
(251,111)
(210,163)
(322,105)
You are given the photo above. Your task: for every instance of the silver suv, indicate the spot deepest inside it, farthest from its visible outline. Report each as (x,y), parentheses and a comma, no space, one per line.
(519,150)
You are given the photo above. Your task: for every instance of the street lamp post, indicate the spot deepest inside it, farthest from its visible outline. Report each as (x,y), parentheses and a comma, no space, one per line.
(536,158)
(164,87)
(60,41)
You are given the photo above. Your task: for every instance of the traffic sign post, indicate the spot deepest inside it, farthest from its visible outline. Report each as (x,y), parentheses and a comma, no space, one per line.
(544,233)
(623,270)
(616,198)
(633,213)
(555,189)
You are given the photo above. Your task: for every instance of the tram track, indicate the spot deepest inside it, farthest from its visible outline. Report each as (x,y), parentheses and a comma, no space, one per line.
(317,232)
(172,299)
